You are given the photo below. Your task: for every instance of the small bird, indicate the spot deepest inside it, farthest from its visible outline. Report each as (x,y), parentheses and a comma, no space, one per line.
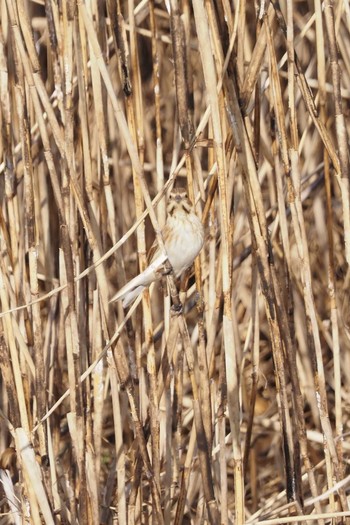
(183,236)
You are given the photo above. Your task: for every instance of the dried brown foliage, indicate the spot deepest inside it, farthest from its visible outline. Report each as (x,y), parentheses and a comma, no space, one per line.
(234,409)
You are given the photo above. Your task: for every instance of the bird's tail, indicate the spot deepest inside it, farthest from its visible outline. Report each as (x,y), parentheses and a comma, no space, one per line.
(133,288)
(128,296)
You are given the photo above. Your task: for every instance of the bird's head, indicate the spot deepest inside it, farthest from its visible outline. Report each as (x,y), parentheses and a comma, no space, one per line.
(179,201)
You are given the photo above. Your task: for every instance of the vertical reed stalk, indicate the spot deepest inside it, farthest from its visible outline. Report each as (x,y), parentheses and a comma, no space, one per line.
(163,414)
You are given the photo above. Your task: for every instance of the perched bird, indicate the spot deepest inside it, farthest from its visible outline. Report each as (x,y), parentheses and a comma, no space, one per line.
(183,237)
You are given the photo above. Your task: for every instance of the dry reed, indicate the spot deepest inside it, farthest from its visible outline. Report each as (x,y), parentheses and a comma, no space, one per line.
(231,408)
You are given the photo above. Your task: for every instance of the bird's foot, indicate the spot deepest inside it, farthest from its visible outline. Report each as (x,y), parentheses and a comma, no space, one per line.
(176,309)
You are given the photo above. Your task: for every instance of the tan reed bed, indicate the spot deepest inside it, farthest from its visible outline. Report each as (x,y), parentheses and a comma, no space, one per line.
(235,408)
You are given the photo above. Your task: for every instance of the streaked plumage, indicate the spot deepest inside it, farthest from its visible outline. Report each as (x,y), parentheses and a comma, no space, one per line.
(183,237)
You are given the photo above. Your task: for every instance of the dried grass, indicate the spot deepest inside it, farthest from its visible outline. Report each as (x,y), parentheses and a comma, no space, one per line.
(234,409)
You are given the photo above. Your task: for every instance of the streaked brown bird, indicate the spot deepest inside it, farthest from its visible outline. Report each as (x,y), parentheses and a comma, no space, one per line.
(183,236)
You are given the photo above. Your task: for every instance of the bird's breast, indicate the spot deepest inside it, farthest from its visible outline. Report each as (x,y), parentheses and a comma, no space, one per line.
(184,241)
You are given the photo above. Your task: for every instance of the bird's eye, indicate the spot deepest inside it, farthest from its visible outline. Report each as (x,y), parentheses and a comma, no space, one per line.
(170,196)
(186,196)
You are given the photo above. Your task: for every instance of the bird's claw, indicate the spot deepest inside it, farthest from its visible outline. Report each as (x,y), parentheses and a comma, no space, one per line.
(177,309)
(163,271)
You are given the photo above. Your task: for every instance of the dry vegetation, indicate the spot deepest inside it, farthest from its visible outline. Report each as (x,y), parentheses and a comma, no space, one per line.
(234,409)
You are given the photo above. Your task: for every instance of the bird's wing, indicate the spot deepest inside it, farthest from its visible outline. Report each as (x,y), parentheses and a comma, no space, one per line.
(154,250)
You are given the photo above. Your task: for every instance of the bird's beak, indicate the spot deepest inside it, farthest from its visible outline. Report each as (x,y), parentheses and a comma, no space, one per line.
(178,198)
